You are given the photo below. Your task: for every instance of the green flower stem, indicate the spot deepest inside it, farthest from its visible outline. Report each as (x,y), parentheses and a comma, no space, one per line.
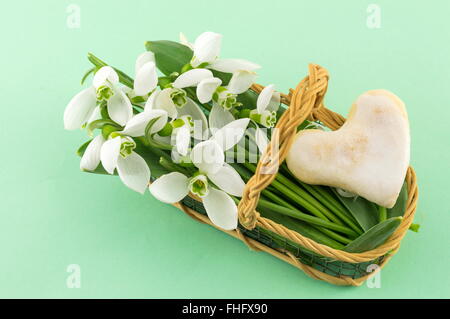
(123,78)
(305,217)
(303,198)
(333,235)
(267,193)
(325,231)
(88,72)
(332,213)
(157,145)
(171,166)
(299,196)
(382,213)
(321,194)
(284,180)
(311,233)
(157,151)
(342,214)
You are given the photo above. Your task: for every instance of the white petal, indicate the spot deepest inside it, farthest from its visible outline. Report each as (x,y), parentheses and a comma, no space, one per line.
(192,78)
(184,40)
(137,124)
(228,180)
(95,115)
(241,81)
(207,47)
(177,157)
(91,156)
(206,89)
(104,75)
(142,59)
(231,134)
(233,65)
(183,140)
(119,108)
(261,140)
(146,79)
(170,188)
(264,98)
(164,102)
(134,172)
(221,209)
(162,139)
(274,103)
(109,154)
(208,157)
(151,101)
(79,109)
(198,116)
(219,117)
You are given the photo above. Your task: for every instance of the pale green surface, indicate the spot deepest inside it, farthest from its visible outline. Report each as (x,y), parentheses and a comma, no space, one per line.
(128,245)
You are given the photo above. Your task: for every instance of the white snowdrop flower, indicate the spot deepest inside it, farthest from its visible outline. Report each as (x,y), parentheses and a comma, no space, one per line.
(104,88)
(208,156)
(117,152)
(266,107)
(206,48)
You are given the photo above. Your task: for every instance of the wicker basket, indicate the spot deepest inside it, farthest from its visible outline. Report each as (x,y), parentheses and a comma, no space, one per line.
(316,260)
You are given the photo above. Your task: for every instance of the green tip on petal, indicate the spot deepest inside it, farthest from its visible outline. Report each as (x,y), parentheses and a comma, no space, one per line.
(198,185)
(179,97)
(127,147)
(104,92)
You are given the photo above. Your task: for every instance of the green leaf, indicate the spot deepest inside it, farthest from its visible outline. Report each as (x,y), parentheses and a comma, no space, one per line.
(365,212)
(375,236)
(225,77)
(170,56)
(400,206)
(248,99)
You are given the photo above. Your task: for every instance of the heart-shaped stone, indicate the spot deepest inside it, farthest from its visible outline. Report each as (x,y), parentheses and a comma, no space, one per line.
(368,155)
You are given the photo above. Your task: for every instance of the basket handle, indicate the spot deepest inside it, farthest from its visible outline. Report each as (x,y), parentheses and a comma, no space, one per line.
(306,101)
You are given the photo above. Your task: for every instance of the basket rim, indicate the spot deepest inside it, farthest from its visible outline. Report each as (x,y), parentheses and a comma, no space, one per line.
(333,121)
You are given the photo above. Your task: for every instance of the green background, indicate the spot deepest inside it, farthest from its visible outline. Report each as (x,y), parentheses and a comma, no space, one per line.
(131,245)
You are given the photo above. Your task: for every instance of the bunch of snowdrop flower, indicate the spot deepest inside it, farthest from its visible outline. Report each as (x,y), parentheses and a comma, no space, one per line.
(169,113)
(180,133)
